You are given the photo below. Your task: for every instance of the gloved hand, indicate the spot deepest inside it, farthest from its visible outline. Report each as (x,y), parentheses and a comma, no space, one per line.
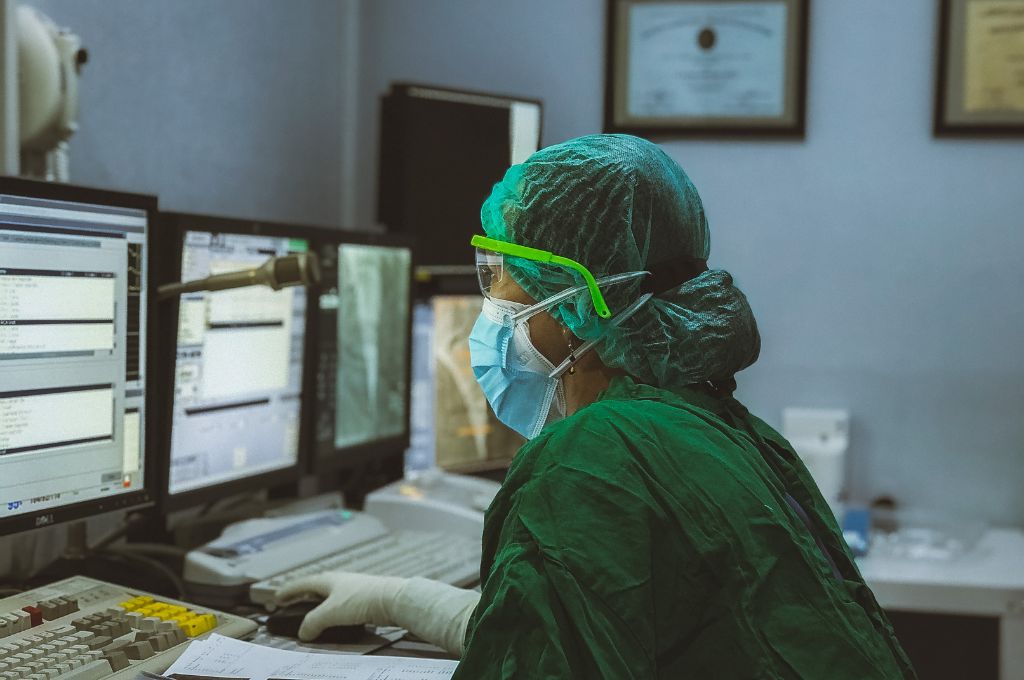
(350,599)
(433,611)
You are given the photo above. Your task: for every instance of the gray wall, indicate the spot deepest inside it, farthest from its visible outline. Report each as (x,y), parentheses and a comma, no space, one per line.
(884,265)
(230,107)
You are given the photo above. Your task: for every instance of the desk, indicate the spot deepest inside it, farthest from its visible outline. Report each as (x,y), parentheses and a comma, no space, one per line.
(986,581)
(390,641)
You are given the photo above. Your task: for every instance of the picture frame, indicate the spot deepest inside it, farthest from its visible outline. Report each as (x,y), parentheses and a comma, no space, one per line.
(979,87)
(706,68)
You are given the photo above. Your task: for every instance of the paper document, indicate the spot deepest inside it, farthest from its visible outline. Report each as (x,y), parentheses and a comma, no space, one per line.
(222,657)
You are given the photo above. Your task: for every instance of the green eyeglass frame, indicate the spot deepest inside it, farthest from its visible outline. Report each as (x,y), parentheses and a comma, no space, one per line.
(547,257)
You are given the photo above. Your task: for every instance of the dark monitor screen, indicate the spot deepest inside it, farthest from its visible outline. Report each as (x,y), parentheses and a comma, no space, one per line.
(441,151)
(236,412)
(74,301)
(362,393)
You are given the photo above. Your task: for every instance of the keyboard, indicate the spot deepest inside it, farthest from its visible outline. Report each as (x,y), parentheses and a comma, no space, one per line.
(439,556)
(84,629)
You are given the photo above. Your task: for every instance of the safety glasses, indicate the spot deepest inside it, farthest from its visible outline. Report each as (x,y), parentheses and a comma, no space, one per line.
(490,261)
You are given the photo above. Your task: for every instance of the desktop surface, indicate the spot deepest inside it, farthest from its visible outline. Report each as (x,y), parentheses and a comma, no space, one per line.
(980,590)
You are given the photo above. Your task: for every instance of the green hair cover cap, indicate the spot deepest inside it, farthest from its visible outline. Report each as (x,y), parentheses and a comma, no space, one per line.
(618,203)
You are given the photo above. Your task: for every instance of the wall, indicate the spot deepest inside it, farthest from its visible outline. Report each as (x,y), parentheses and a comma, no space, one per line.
(234,107)
(230,107)
(884,265)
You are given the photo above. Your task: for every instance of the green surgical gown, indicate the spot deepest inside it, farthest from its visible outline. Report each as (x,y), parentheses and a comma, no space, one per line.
(650,536)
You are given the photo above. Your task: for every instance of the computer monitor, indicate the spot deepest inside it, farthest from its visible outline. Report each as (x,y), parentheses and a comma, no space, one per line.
(453,427)
(74,301)
(364,345)
(236,410)
(441,151)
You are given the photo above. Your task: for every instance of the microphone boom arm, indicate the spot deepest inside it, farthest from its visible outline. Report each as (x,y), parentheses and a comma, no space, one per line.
(302,269)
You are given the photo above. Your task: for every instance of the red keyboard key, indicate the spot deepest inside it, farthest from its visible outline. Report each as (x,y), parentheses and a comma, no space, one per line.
(35,614)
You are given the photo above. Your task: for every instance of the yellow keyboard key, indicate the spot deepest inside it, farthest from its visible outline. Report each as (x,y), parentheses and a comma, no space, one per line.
(161,611)
(180,620)
(192,626)
(136,602)
(209,622)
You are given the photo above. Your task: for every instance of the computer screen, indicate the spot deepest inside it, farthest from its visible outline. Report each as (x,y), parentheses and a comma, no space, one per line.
(454,428)
(441,151)
(373,344)
(238,378)
(364,344)
(73,306)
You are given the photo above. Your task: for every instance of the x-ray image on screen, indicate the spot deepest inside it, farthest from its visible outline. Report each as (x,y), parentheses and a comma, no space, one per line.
(469,437)
(373,329)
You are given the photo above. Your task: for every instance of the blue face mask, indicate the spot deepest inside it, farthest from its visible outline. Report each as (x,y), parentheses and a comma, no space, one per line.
(519,382)
(522,386)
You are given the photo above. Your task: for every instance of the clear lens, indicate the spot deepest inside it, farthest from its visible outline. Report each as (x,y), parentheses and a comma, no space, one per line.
(497,285)
(489,270)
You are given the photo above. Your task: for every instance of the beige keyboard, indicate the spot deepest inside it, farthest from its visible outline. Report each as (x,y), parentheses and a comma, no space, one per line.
(84,629)
(454,560)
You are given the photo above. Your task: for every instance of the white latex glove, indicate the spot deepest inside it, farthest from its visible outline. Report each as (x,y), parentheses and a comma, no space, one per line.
(350,599)
(433,611)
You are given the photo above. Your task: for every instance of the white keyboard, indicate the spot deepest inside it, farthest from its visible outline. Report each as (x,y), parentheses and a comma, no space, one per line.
(439,556)
(84,629)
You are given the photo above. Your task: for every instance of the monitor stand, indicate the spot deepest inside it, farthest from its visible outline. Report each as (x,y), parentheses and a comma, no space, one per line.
(121,565)
(77,547)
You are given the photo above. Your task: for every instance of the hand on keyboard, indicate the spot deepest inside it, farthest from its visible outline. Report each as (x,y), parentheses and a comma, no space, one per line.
(349,599)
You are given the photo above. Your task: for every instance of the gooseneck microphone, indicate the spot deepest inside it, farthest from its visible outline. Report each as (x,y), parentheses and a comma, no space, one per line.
(300,269)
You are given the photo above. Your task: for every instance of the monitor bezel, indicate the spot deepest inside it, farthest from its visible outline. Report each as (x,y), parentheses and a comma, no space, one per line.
(174,225)
(146,496)
(352,457)
(390,152)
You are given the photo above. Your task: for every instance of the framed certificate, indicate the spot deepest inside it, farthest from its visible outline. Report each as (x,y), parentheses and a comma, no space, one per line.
(980,74)
(707,67)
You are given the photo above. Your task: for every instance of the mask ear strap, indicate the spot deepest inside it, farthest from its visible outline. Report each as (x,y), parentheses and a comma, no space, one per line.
(576,355)
(559,298)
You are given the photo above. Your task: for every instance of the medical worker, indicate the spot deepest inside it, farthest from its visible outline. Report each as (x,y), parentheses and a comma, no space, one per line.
(651,527)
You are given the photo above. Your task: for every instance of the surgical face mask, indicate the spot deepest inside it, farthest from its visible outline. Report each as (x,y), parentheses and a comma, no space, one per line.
(522,386)
(513,374)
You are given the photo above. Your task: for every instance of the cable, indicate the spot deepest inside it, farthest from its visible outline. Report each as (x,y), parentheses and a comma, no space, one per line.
(130,521)
(226,507)
(172,577)
(158,549)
